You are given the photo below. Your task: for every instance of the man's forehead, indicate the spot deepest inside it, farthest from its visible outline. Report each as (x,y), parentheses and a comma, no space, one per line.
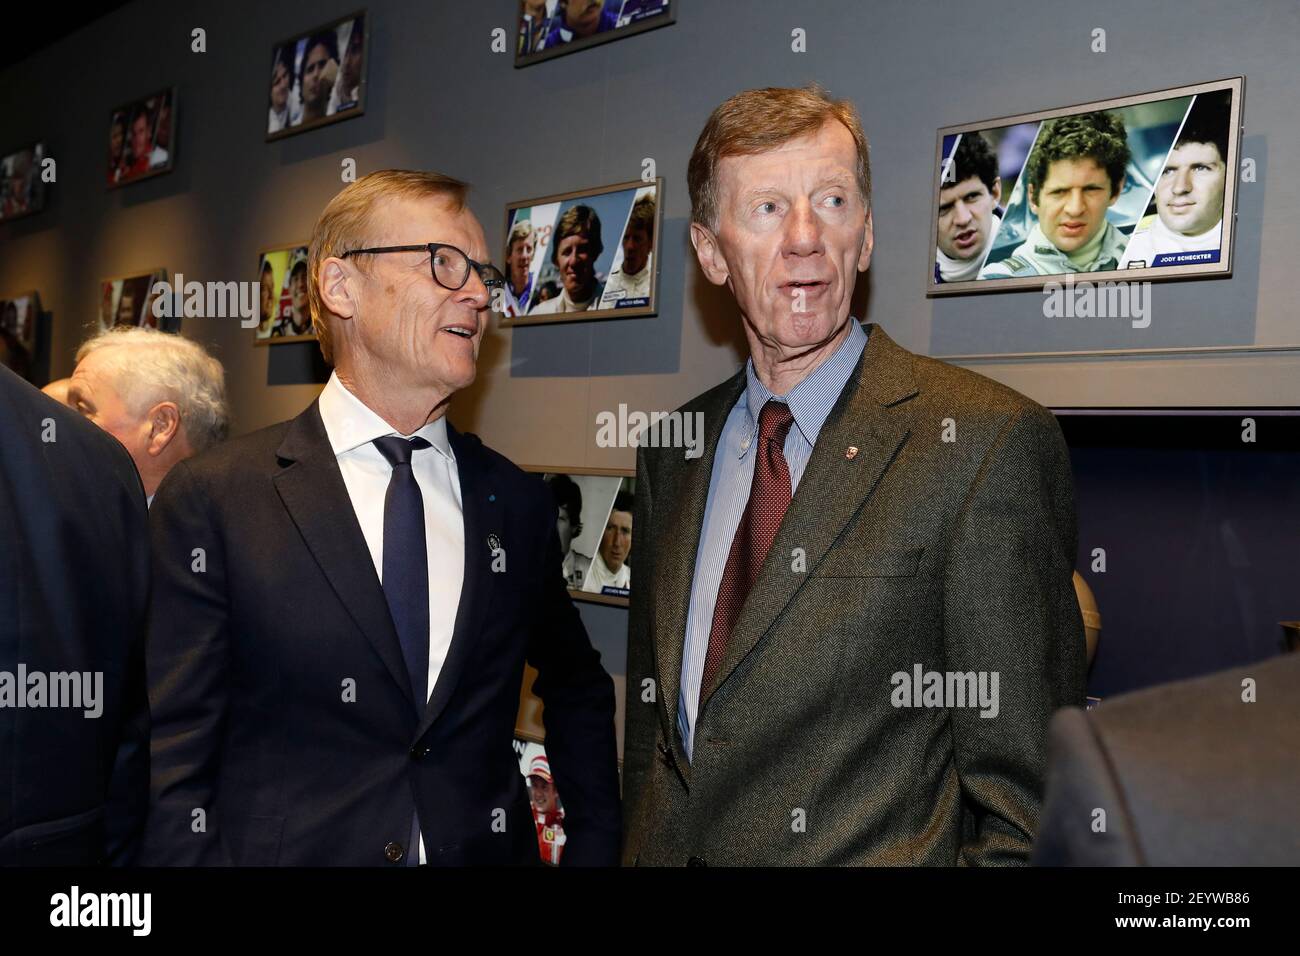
(1195,152)
(1075,167)
(828,154)
(969,184)
(415,219)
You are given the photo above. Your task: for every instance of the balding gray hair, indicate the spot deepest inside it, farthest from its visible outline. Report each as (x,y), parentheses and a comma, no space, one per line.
(148,367)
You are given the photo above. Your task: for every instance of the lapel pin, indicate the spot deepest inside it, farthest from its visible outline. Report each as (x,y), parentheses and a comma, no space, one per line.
(494,542)
(851,452)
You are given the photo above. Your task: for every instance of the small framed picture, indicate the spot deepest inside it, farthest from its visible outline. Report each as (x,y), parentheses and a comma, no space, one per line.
(318,77)
(18,318)
(590,254)
(551,28)
(22,190)
(130,300)
(285,312)
(142,139)
(593,518)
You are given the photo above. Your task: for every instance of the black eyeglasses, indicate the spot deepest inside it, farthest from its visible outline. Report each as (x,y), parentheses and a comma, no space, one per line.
(449,265)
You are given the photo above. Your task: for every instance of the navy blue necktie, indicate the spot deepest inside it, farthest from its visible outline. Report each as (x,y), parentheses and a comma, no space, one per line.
(406,562)
(406,579)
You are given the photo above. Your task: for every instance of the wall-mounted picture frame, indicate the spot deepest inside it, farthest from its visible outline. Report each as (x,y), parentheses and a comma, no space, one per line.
(546,29)
(22,188)
(284,310)
(19,315)
(318,77)
(128,300)
(1136,188)
(142,138)
(583,255)
(594,523)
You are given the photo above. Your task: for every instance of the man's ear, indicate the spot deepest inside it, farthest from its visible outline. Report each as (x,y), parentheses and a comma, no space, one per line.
(1033,199)
(707,250)
(336,288)
(1114,196)
(164,425)
(997,190)
(868,243)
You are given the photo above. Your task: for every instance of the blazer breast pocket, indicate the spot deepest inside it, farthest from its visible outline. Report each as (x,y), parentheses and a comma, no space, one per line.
(851,561)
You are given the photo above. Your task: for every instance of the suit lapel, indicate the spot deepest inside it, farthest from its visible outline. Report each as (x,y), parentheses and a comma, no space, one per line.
(870,416)
(484,516)
(687,490)
(313,492)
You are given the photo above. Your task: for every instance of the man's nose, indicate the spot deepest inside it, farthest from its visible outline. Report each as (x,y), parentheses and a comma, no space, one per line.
(803,234)
(474,292)
(961,214)
(1075,205)
(1183,181)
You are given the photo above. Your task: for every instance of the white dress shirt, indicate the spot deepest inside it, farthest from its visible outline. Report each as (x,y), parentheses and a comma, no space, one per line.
(352,428)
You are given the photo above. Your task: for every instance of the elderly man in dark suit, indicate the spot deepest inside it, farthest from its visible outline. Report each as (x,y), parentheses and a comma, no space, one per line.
(344,603)
(74,584)
(854,615)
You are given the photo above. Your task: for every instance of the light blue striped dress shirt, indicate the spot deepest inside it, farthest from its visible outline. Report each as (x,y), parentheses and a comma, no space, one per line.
(733,472)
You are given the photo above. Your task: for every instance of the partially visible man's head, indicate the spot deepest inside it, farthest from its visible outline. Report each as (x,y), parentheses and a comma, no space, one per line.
(160,395)
(1074,174)
(971,191)
(1189,192)
(141,134)
(568,510)
(639,236)
(58,390)
(582,16)
(319,69)
(574,251)
(519,254)
(616,542)
(384,314)
(780,185)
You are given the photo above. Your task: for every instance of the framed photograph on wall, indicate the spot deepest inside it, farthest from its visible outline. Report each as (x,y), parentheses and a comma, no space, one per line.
(551,28)
(285,312)
(129,300)
(594,522)
(142,138)
(22,190)
(590,254)
(1136,188)
(318,77)
(18,318)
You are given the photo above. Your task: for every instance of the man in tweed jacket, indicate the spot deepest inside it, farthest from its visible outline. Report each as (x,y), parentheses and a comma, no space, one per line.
(855,614)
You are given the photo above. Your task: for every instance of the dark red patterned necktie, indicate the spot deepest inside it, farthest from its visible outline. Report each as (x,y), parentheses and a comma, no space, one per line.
(769,497)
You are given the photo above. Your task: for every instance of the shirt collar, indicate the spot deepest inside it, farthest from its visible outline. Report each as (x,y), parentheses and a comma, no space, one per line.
(350,423)
(812,399)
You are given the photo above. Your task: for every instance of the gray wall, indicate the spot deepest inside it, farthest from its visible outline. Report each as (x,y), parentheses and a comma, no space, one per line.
(439,98)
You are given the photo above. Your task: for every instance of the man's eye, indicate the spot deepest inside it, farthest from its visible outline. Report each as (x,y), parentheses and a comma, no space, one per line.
(767,208)
(835,201)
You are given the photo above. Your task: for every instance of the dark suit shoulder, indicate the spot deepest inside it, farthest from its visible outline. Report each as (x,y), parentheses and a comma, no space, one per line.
(25,429)
(255,452)
(971,392)
(718,394)
(1213,704)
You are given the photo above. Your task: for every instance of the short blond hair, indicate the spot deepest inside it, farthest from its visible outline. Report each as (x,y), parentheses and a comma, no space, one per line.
(756,121)
(349,219)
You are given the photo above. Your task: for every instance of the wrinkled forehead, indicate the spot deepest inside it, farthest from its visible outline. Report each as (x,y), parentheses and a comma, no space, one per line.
(826,157)
(409,220)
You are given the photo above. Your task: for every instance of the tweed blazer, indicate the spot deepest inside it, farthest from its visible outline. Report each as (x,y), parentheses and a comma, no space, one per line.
(931,541)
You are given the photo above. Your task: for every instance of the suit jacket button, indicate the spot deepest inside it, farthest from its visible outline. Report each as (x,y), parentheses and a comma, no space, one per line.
(393,852)
(696,861)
